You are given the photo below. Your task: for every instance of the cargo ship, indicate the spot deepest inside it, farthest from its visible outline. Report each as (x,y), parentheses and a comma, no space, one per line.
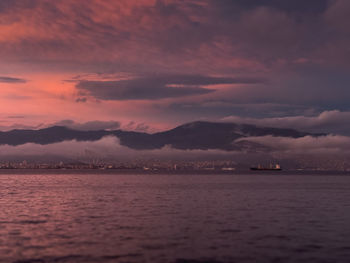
(271,167)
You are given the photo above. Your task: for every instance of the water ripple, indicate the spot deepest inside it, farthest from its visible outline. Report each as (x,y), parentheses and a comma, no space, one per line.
(74,218)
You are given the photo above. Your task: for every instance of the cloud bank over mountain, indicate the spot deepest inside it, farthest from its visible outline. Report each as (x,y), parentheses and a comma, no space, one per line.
(241,144)
(329,144)
(334,121)
(107,148)
(285,150)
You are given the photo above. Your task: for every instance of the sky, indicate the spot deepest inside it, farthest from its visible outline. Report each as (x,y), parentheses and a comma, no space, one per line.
(150,65)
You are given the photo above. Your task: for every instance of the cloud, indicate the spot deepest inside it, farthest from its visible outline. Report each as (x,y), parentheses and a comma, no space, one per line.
(107,148)
(14,96)
(157,86)
(115,90)
(301,47)
(11,80)
(227,105)
(166,34)
(296,7)
(139,127)
(81,100)
(88,126)
(328,152)
(9,5)
(330,144)
(85,126)
(19,126)
(16,117)
(334,121)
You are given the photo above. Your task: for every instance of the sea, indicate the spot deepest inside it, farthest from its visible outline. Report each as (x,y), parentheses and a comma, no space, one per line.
(181,218)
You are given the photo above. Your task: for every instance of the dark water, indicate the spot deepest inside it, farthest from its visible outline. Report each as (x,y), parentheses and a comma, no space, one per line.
(174,218)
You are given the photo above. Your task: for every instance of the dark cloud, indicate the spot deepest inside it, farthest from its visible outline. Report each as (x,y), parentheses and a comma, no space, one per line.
(172,29)
(217,109)
(11,80)
(175,34)
(81,100)
(321,88)
(301,46)
(335,122)
(6,5)
(298,92)
(139,127)
(13,96)
(18,126)
(116,90)
(295,6)
(157,87)
(329,144)
(108,148)
(88,126)
(327,150)
(16,117)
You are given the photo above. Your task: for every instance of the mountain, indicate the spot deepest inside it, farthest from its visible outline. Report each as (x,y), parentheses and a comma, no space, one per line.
(49,135)
(196,135)
(210,135)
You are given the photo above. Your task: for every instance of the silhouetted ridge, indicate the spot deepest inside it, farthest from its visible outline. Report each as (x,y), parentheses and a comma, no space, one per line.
(195,135)
(49,135)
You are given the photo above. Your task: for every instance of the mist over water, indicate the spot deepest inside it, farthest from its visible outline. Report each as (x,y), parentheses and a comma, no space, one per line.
(174,218)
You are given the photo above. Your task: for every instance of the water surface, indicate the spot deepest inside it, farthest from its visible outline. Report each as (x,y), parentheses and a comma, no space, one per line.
(174,218)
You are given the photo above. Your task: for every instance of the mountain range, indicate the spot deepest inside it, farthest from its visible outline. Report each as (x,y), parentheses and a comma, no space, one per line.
(195,135)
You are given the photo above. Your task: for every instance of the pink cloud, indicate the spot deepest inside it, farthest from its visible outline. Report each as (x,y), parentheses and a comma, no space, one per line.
(114,40)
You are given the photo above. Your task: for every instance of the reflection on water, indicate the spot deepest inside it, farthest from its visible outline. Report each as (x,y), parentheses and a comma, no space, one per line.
(174,218)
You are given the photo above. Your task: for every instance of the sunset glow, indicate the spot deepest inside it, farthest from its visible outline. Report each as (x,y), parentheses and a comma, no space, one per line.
(275,58)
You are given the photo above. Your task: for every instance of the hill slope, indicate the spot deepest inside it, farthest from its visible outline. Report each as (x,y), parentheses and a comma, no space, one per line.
(195,135)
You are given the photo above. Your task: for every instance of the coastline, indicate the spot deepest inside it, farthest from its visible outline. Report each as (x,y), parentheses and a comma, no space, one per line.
(176,172)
